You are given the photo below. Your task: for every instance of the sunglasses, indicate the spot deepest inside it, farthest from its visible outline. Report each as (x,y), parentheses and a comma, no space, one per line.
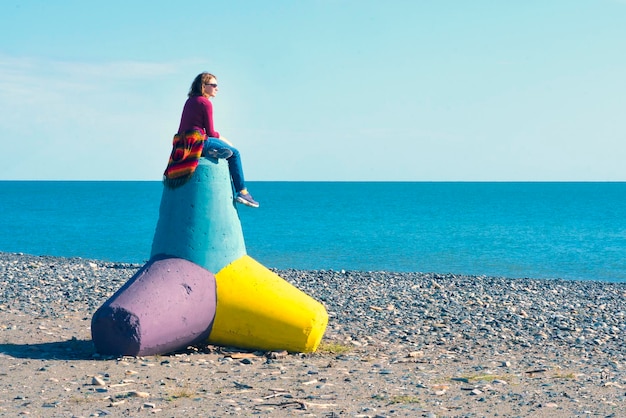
(211,84)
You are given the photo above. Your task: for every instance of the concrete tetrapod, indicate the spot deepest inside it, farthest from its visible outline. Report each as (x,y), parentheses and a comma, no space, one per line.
(199,226)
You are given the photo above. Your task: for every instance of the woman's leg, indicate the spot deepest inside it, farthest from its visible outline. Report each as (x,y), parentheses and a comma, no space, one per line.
(216,148)
(236,170)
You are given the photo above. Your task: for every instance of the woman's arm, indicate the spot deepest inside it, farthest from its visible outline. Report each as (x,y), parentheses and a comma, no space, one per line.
(208,120)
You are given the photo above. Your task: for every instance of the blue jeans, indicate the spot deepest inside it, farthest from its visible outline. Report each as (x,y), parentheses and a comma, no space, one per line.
(234,161)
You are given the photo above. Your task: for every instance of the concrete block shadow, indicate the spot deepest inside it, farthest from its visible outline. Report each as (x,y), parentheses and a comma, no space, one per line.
(72,349)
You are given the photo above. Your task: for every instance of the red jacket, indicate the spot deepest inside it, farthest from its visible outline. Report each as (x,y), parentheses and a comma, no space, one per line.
(198,114)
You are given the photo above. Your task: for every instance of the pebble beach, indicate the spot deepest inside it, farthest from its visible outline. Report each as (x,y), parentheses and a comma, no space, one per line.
(397,344)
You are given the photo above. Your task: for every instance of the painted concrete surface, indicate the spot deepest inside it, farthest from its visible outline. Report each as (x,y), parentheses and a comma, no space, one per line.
(200,284)
(199,221)
(167,305)
(259,310)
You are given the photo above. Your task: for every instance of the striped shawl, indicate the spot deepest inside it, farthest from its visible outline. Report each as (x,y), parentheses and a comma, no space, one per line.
(186,152)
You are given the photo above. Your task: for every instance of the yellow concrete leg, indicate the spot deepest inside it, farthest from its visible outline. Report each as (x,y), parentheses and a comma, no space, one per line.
(259,310)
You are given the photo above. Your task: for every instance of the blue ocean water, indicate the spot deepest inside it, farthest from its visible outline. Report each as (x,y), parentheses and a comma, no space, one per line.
(539,230)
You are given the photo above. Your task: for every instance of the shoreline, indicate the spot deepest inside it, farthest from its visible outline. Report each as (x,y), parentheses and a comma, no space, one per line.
(397,344)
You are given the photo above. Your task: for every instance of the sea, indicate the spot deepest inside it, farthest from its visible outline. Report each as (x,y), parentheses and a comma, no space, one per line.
(543,230)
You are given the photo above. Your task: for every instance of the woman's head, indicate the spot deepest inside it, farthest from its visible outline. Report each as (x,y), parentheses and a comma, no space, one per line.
(205,84)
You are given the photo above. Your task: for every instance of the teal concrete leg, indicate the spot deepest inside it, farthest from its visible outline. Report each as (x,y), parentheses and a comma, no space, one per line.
(197,223)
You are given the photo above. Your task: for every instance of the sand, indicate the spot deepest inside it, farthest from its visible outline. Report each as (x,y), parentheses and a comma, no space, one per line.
(397,344)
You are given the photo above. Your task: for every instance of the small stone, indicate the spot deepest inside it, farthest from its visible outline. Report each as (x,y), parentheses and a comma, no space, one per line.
(98,381)
(275,355)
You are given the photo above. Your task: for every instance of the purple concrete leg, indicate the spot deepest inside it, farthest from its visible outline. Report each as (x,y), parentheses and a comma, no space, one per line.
(164,307)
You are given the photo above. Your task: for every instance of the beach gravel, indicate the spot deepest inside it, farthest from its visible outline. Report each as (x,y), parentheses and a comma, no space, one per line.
(397,344)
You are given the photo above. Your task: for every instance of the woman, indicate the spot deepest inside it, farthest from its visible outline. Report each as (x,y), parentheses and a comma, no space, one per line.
(198,116)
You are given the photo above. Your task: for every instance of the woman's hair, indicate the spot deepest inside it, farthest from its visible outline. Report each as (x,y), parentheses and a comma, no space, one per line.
(196,85)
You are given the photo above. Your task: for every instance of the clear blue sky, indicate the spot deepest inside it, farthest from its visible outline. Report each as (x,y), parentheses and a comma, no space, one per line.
(414,90)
